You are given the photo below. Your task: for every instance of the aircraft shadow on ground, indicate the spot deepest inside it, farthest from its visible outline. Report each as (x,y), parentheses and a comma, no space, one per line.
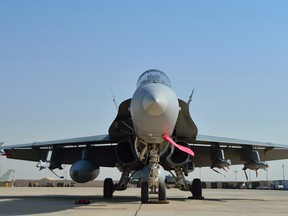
(29,205)
(232,199)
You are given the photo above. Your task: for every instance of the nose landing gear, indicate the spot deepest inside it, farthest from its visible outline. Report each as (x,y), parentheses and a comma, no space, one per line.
(156,179)
(161,194)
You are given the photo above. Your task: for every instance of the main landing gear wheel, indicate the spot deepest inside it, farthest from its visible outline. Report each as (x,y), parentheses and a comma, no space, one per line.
(108,188)
(196,189)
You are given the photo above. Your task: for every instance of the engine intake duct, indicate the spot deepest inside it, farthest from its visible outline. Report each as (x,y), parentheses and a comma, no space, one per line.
(178,157)
(126,153)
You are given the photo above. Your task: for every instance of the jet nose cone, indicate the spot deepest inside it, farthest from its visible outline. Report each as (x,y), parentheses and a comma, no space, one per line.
(154,104)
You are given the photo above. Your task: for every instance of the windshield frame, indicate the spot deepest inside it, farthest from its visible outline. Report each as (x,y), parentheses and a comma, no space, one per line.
(153,76)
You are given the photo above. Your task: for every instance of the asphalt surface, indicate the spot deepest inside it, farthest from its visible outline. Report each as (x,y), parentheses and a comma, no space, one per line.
(61,201)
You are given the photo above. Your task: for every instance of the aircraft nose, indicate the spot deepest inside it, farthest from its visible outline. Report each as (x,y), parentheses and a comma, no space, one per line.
(154,103)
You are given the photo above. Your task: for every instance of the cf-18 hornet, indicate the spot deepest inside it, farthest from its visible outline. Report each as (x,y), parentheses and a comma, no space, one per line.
(6,177)
(152,132)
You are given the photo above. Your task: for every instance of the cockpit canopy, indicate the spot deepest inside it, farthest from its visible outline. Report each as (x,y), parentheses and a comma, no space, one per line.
(153,76)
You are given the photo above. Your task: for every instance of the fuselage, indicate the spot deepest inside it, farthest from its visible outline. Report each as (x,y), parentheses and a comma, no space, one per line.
(154,107)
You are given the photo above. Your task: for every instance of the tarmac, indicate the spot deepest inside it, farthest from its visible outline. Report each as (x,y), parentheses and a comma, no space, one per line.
(61,201)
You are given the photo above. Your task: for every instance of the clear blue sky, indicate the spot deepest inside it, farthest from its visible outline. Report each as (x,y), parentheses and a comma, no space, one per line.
(59,61)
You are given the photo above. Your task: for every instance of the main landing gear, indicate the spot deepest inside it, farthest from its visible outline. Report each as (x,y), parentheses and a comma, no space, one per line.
(153,178)
(108,188)
(196,189)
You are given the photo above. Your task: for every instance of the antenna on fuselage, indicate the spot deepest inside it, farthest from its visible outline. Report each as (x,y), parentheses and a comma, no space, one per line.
(190,98)
(114,100)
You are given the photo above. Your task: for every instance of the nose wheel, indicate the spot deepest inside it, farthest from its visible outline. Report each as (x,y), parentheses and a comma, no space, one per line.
(144,192)
(161,194)
(162,191)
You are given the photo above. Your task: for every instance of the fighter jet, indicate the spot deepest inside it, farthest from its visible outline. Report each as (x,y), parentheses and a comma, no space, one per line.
(6,177)
(153,132)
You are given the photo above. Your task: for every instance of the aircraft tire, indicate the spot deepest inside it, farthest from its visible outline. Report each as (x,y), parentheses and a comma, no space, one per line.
(162,191)
(144,192)
(108,188)
(197,189)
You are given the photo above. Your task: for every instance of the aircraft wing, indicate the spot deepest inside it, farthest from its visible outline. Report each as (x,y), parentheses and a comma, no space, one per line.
(102,147)
(99,139)
(206,139)
(235,149)
(66,151)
